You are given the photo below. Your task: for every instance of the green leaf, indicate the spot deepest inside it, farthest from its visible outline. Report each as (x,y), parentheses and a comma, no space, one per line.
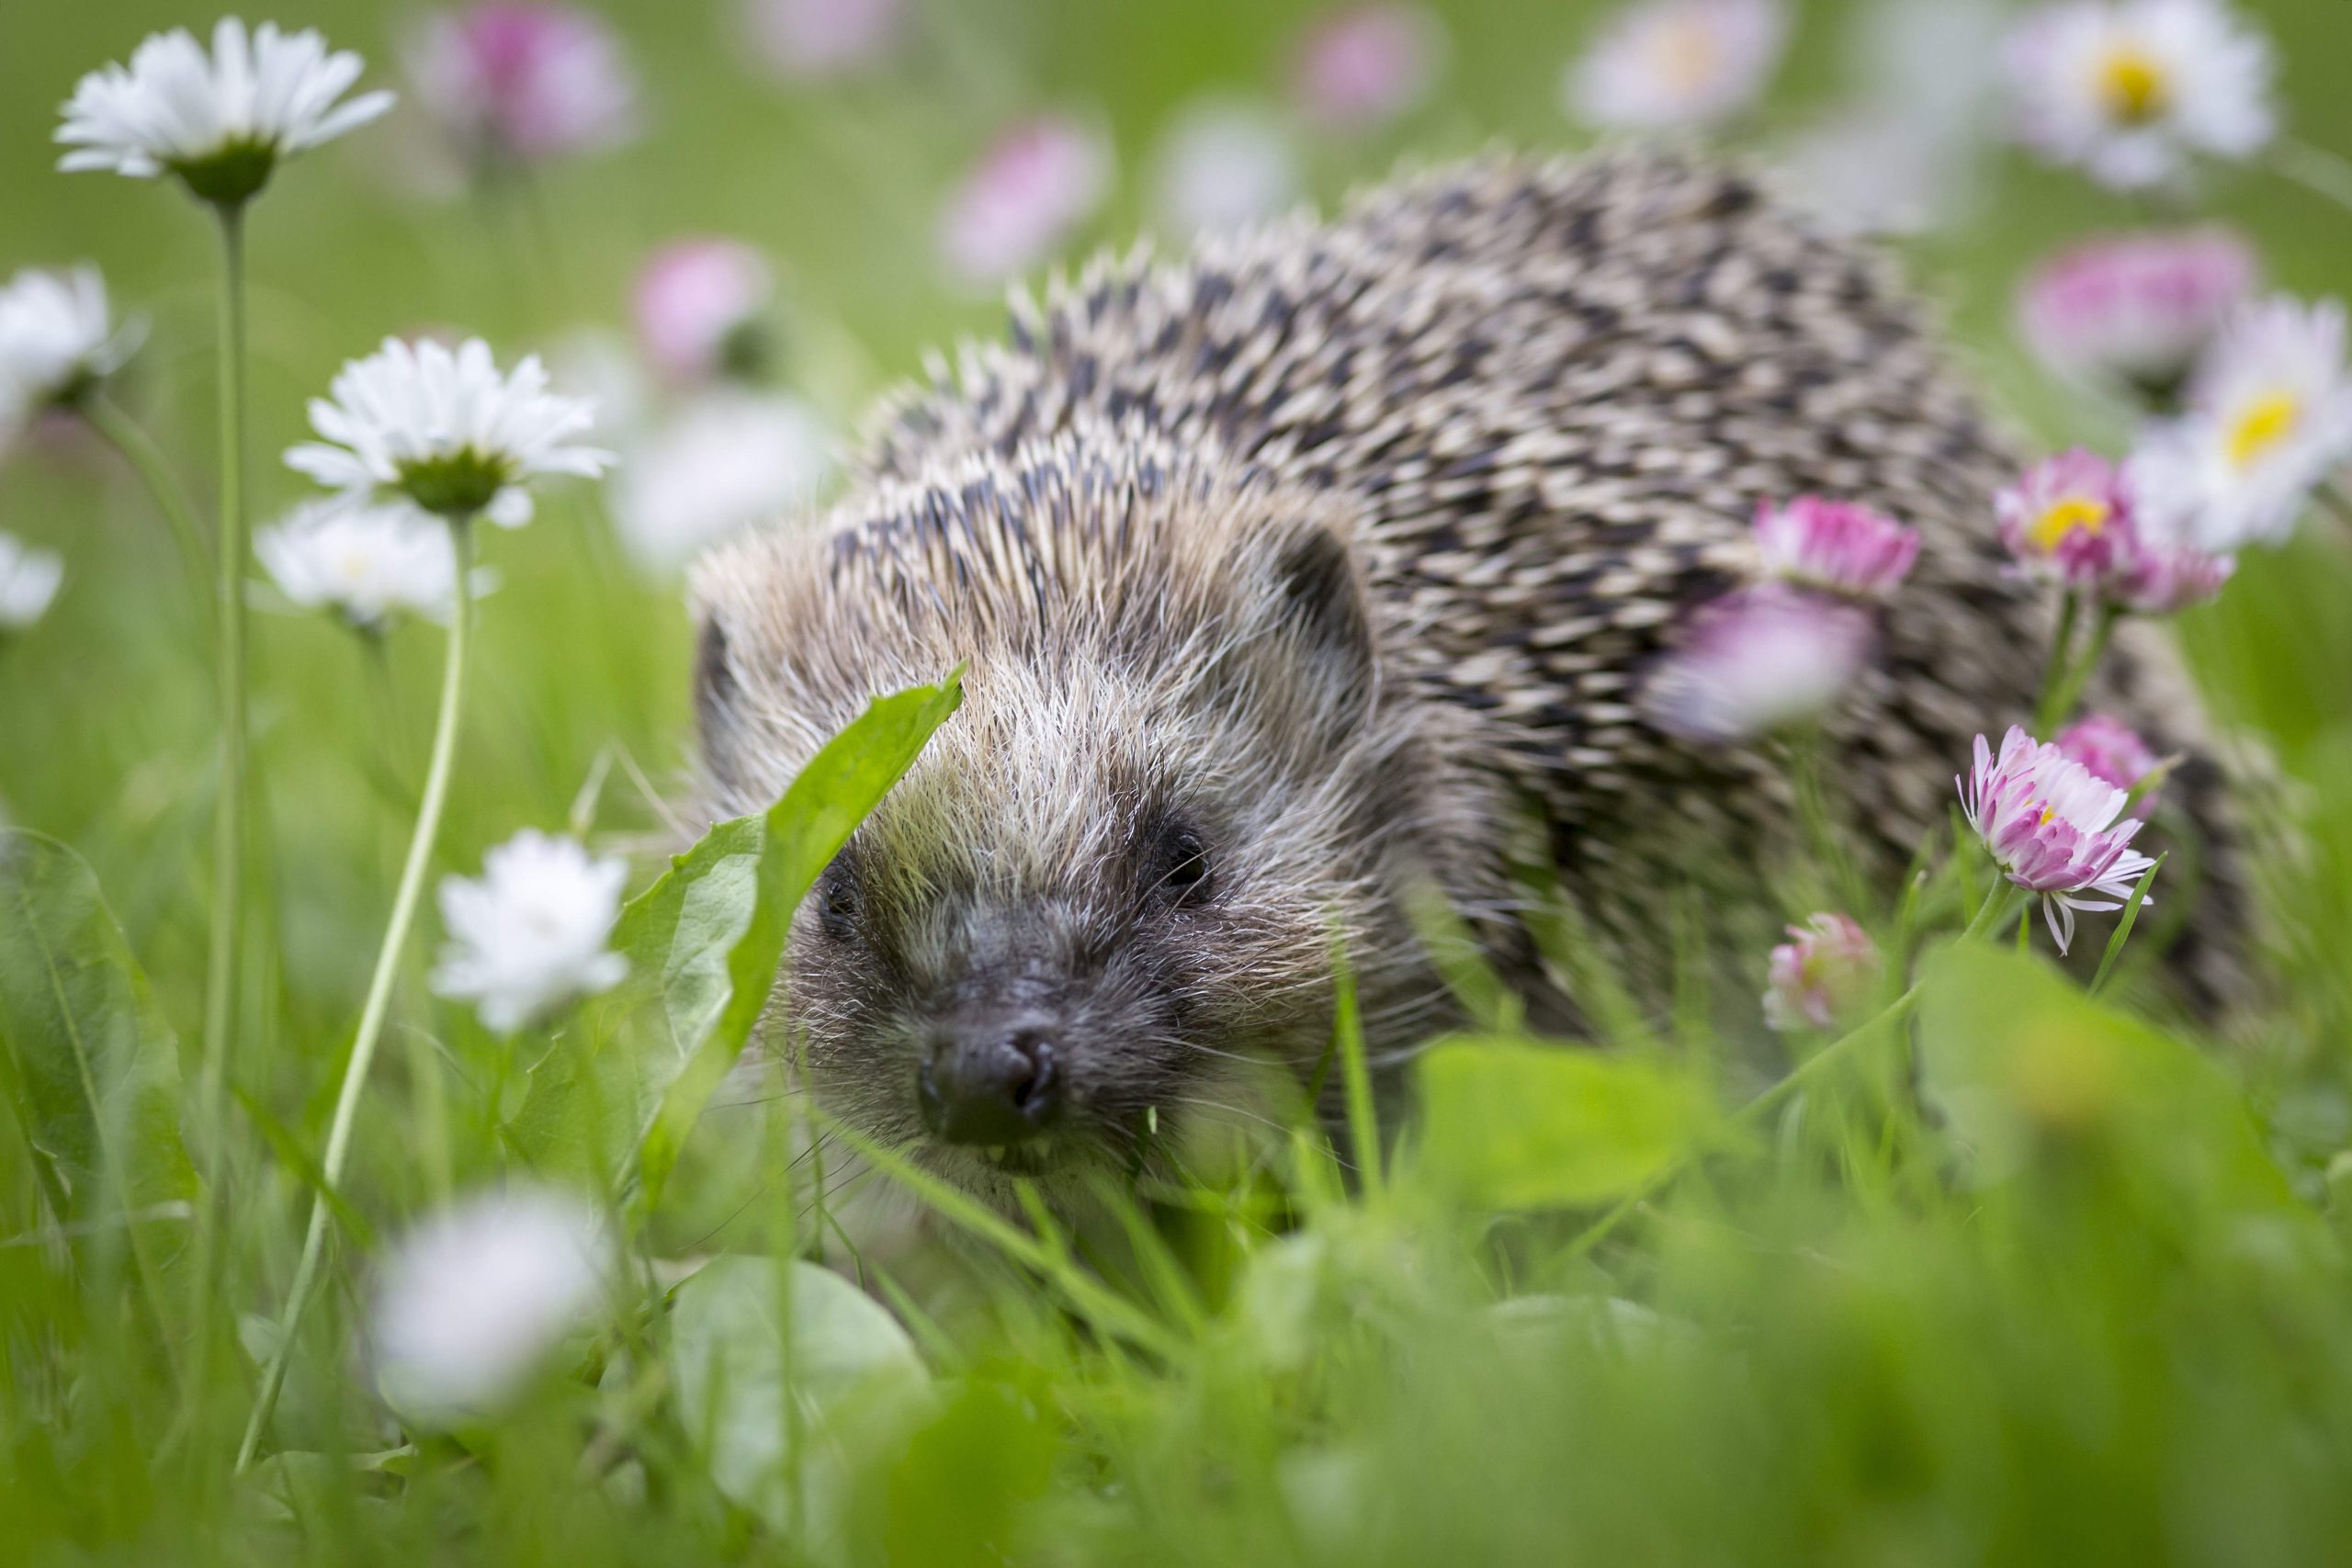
(2017,1059)
(93,1069)
(1510,1125)
(787,1417)
(704,944)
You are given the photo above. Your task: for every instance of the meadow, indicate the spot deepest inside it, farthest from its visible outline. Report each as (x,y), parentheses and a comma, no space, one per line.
(2006,1267)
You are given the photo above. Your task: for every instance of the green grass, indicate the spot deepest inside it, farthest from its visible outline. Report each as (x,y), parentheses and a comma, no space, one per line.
(2027,1278)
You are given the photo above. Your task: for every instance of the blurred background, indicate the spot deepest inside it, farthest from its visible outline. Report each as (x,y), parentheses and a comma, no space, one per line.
(876,171)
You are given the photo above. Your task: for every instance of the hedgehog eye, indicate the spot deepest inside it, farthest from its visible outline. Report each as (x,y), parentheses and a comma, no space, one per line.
(837,901)
(1184,875)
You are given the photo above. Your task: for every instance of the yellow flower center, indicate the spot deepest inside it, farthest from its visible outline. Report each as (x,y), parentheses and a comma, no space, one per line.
(2046,815)
(2264,423)
(2074,511)
(2132,86)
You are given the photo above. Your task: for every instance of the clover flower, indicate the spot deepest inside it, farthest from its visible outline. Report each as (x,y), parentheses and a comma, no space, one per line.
(728,461)
(2129,90)
(2112,751)
(30,577)
(447,431)
(2052,827)
(1224,164)
(1758,661)
(2269,414)
(698,305)
(1362,66)
(1818,975)
(1664,63)
(516,81)
(532,933)
(57,342)
(1035,183)
(471,1303)
(811,40)
(2134,311)
(1835,547)
(366,564)
(220,122)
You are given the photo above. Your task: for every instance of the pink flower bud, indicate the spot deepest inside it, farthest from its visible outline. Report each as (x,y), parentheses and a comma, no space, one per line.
(1029,190)
(1758,661)
(2112,753)
(693,299)
(1832,545)
(1363,65)
(1826,967)
(523,80)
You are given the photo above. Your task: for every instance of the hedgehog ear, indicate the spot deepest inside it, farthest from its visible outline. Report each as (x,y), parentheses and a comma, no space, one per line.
(715,691)
(1322,601)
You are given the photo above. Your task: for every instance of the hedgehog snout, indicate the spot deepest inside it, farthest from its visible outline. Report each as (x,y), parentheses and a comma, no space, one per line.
(990,1078)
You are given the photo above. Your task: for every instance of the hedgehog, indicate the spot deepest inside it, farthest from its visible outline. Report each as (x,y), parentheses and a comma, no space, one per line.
(1316,578)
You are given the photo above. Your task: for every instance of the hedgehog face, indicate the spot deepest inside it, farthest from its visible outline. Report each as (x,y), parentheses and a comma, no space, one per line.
(1103,905)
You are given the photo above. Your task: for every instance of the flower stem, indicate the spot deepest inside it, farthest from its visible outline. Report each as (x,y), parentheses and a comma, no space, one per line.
(221,971)
(380,991)
(1988,917)
(119,431)
(2339,504)
(2060,701)
(2317,170)
(2054,673)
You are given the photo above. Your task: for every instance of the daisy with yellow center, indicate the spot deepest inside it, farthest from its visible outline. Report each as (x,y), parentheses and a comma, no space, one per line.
(2060,521)
(2131,91)
(2134,85)
(2054,829)
(2269,415)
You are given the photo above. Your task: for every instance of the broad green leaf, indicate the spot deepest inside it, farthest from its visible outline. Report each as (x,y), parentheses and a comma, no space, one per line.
(801,1410)
(93,1070)
(959,1492)
(2015,1056)
(704,944)
(1510,1125)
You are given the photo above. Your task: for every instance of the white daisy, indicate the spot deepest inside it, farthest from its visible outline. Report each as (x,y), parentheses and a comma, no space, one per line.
(30,577)
(728,461)
(447,431)
(2129,90)
(472,1300)
(1677,63)
(1224,164)
(367,564)
(531,933)
(2269,414)
(220,122)
(56,341)
(1902,152)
